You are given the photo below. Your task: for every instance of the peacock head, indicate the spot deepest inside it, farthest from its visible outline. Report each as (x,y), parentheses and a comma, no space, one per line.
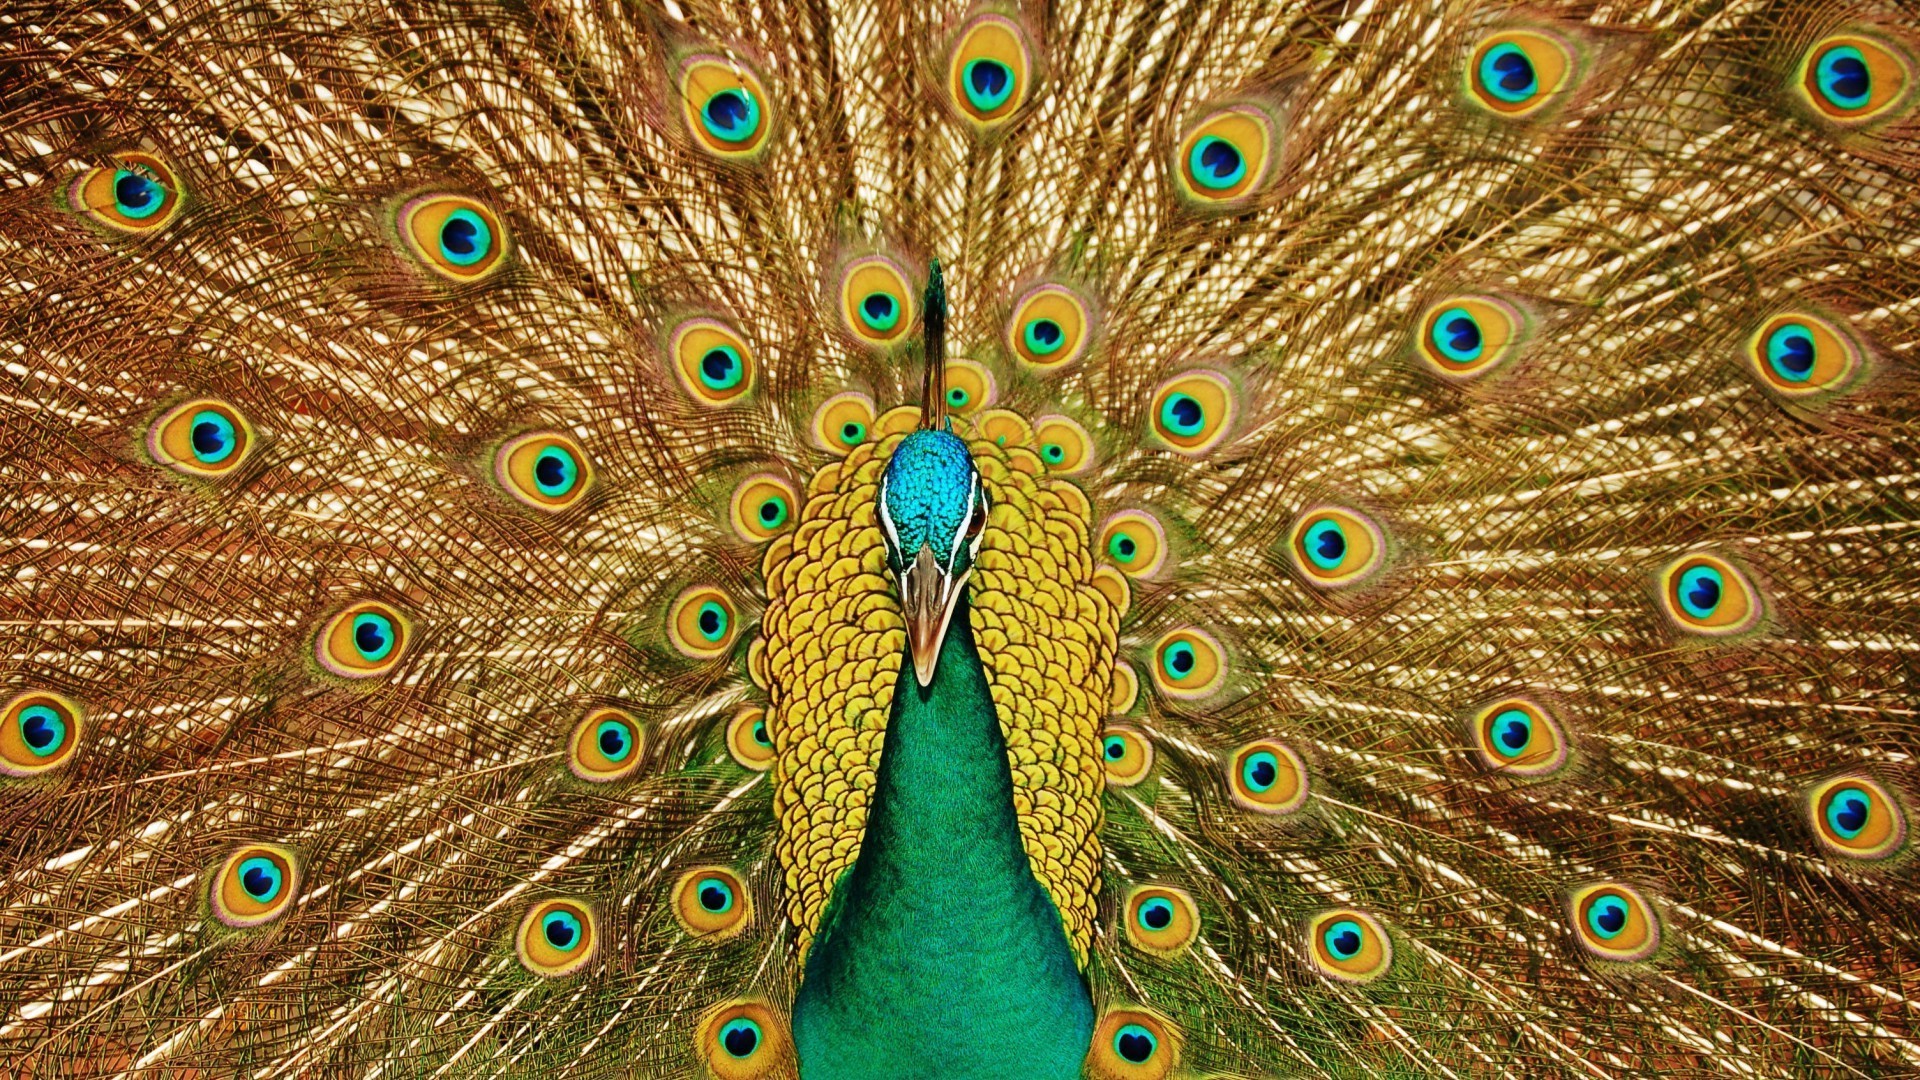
(933,508)
(933,513)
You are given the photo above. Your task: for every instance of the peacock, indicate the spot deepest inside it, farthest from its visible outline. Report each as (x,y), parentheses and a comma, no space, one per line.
(983,539)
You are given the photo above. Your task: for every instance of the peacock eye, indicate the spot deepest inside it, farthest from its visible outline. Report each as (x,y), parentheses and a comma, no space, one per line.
(988,71)
(458,238)
(1851,79)
(1517,73)
(726,107)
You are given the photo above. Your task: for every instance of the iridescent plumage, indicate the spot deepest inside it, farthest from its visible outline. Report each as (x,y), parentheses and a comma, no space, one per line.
(1382,549)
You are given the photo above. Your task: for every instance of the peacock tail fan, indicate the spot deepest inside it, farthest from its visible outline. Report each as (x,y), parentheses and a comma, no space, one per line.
(1424,494)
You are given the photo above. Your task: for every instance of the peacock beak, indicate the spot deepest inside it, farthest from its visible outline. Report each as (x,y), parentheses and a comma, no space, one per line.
(927,596)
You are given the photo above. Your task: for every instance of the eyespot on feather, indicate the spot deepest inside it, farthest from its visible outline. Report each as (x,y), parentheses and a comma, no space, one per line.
(39,733)
(763,507)
(744,1040)
(362,641)
(1133,1044)
(1336,547)
(545,470)
(1134,542)
(1517,736)
(877,301)
(1799,357)
(1112,584)
(606,745)
(1126,688)
(1126,755)
(1614,922)
(1050,329)
(1706,595)
(1267,777)
(1857,818)
(1518,73)
(990,71)
(1348,945)
(1192,412)
(138,194)
(712,360)
(1463,338)
(458,238)
(1160,919)
(726,108)
(1064,446)
(703,623)
(254,885)
(970,387)
(1855,79)
(1188,664)
(1226,157)
(203,438)
(749,739)
(712,903)
(557,937)
(843,422)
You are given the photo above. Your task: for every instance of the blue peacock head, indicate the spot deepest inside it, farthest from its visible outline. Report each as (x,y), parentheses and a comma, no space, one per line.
(933,507)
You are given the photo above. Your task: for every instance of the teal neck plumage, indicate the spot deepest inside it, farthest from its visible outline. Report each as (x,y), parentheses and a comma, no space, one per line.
(940,955)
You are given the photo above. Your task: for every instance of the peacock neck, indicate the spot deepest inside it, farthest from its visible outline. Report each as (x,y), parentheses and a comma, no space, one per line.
(940,954)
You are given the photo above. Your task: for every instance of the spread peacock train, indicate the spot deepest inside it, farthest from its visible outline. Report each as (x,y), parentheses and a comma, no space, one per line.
(1113,539)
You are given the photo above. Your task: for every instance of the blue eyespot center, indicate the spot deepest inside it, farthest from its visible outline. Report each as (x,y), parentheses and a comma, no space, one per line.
(561,929)
(1260,771)
(465,238)
(1512,731)
(373,635)
(1343,939)
(1054,453)
(958,397)
(1216,164)
(1044,336)
(1183,415)
(1123,547)
(1156,914)
(1135,1043)
(740,1037)
(732,115)
(773,512)
(1326,544)
(880,311)
(1457,335)
(42,730)
(1114,747)
(1507,74)
(721,369)
(260,879)
(1848,811)
(136,195)
(712,621)
(555,471)
(715,896)
(615,740)
(1700,590)
(989,84)
(1180,660)
(212,437)
(1790,352)
(1844,77)
(1607,917)
(760,733)
(852,432)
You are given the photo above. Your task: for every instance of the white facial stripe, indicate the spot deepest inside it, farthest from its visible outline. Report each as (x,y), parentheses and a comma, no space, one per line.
(886,517)
(960,534)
